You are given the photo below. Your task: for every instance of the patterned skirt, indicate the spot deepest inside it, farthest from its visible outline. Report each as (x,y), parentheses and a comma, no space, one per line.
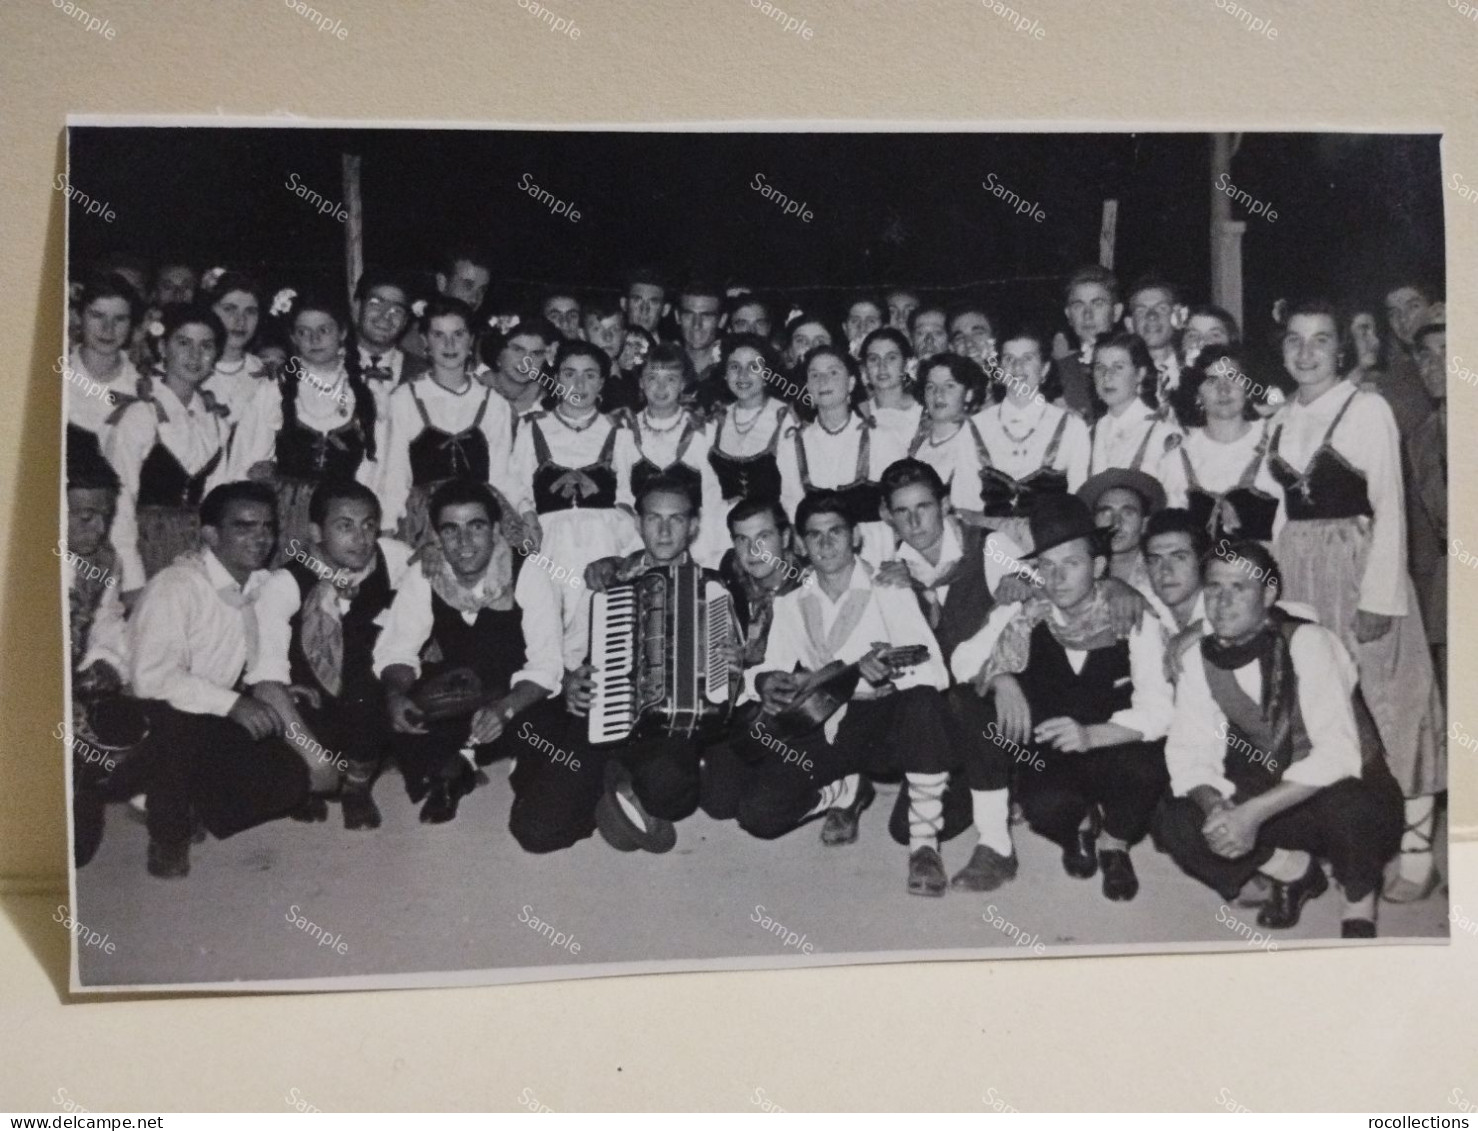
(165,533)
(1322,561)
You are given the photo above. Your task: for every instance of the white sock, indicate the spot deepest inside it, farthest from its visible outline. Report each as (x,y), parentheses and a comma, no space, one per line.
(925,809)
(469,756)
(992,808)
(1286,865)
(836,795)
(1416,852)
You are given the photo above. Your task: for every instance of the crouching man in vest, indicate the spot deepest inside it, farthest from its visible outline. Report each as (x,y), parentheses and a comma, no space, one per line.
(1081,710)
(1265,755)
(467,615)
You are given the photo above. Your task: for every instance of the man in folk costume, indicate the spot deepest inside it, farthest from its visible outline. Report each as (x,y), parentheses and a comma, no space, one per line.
(320,617)
(102,720)
(651,781)
(1082,710)
(894,720)
(1272,765)
(471,642)
(215,754)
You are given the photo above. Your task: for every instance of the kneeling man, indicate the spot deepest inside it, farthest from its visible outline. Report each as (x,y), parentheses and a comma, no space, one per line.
(1082,711)
(1265,756)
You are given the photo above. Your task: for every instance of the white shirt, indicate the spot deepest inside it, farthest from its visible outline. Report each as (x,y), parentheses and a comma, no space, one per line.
(891,615)
(1038,423)
(392,359)
(281,599)
(922,571)
(192,433)
(409,623)
(1153,698)
(958,464)
(1116,439)
(90,401)
(1196,748)
(452,413)
(238,387)
(188,647)
(1367,440)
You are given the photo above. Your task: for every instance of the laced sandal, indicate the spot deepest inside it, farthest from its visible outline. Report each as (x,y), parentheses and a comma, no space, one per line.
(1402,889)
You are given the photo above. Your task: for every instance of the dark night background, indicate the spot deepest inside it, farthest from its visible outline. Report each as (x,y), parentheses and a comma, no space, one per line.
(887,208)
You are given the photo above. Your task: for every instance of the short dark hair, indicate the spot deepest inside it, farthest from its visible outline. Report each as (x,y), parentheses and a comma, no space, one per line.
(966,371)
(1214,362)
(805,318)
(601,307)
(228,281)
(749,298)
(969,306)
(671,355)
(178,314)
(1255,553)
(1177,520)
(577,347)
(888,334)
(463,253)
(822,502)
(704,288)
(927,308)
(910,473)
(372,277)
(835,350)
(871,300)
(213,507)
(746,509)
(1222,315)
(664,483)
(494,342)
(331,491)
(1422,284)
(645,276)
(1139,357)
(442,307)
(461,492)
(111,285)
(1157,281)
(1092,273)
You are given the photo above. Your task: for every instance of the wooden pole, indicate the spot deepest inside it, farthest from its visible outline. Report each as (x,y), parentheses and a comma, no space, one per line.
(1226,233)
(1108,233)
(354,225)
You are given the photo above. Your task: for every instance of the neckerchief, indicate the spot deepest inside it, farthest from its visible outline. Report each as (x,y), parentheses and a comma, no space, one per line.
(497,589)
(1269,647)
(1089,629)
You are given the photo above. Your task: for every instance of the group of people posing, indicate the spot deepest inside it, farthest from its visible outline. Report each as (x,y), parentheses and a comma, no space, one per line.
(1107,581)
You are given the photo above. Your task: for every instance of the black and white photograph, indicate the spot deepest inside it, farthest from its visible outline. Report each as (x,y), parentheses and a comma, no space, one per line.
(504,554)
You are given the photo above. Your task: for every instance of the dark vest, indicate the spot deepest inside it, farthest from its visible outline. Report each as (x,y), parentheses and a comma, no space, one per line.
(547,500)
(969,601)
(1091,696)
(492,646)
(360,630)
(164,483)
(1328,488)
(437,455)
(308,454)
(754,477)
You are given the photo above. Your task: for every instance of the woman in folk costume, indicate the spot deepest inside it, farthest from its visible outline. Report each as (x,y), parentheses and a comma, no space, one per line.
(316,422)
(238,375)
(952,388)
(574,464)
(1220,472)
(745,432)
(841,450)
(447,425)
(98,373)
(1029,448)
(1335,452)
(1128,432)
(168,446)
(671,441)
(887,364)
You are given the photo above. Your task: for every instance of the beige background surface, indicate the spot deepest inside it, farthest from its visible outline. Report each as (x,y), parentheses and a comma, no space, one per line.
(1101,1033)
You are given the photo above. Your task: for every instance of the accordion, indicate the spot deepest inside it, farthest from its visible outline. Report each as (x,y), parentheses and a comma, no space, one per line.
(660,644)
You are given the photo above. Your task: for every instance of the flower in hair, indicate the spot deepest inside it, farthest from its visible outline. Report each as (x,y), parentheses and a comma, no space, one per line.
(503,322)
(209,280)
(418,308)
(283,301)
(155,329)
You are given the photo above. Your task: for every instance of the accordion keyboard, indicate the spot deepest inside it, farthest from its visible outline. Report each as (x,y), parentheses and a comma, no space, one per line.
(613,623)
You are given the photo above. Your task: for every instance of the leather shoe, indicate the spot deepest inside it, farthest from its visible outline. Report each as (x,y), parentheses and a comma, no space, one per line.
(1255,891)
(360,810)
(1080,861)
(1286,901)
(986,871)
(1357,929)
(313,809)
(840,826)
(169,861)
(1119,881)
(442,799)
(926,872)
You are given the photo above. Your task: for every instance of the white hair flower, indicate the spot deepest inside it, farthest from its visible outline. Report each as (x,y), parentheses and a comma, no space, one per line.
(209,280)
(282,301)
(155,329)
(418,308)
(503,322)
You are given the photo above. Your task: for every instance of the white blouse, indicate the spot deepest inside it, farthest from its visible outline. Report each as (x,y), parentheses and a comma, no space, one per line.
(758,428)
(958,463)
(831,458)
(1017,438)
(1218,466)
(571,448)
(193,436)
(903,423)
(238,387)
(1116,440)
(90,400)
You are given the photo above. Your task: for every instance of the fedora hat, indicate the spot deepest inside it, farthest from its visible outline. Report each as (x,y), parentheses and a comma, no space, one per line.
(1147,487)
(1056,519)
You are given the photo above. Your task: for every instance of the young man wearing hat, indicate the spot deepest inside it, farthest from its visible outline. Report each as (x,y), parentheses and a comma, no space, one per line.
(1121,499)
(1082,711)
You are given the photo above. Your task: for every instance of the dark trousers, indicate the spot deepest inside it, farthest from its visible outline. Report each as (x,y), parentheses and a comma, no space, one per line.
(1354,824)
(560,777)
(354,730)
(1124,783)
(209,766)
(770,784)
(972,721)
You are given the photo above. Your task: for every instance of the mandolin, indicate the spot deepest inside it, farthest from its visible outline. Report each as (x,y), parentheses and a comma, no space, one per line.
(821,693)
